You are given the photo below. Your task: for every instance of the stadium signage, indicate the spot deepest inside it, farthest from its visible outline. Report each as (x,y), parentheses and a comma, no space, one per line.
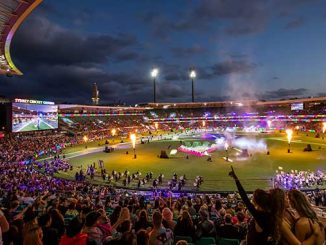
(39,102)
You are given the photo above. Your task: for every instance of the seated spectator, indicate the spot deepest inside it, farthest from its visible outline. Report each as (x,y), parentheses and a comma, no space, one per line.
(91,229)
(159,234)
(168,221)
(128,238)
(142,237)
(104,224)
(182,242)
(142,222)
(115,215)
(191,209)
(124,215)
(184,226)
(241,224)
(205,227)
(228,230)
(72,209)
(73,234)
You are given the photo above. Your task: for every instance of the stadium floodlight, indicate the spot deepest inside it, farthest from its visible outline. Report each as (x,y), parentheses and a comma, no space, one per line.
(154,74)
(192,75)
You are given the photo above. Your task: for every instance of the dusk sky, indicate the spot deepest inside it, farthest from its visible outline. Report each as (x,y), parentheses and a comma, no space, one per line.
(241,49)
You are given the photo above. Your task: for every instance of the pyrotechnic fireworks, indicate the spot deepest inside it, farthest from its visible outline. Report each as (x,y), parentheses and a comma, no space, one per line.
(289,133)
(113,131)
(133,140)
(226,145)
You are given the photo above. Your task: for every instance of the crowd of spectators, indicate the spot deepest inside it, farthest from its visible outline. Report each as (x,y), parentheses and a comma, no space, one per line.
(299,179)
(20,147)
(40,209)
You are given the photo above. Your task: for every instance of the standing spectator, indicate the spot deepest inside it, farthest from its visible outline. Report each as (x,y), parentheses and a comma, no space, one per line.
(4,225)
(50,235)
(33,236)
(308,221)
(57,221)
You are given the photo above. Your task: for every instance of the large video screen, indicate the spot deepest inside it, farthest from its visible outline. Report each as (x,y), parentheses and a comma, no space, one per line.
(297,107)
(33,117)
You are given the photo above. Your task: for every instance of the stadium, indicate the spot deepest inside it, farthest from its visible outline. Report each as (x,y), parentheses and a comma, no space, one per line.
(158,172)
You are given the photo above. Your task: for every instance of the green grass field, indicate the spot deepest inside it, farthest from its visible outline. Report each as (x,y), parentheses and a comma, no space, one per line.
(255,172)
(31,127)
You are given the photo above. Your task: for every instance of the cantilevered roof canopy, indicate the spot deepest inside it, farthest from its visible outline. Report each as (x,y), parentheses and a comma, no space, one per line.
(12,14)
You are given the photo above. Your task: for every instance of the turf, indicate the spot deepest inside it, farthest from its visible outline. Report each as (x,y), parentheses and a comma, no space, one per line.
(255,172)
(31,127)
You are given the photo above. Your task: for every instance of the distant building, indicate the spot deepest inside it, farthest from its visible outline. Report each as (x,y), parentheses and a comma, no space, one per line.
(95,95)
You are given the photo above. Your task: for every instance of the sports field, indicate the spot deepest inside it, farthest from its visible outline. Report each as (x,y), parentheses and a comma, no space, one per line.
(33,124)
(255,172)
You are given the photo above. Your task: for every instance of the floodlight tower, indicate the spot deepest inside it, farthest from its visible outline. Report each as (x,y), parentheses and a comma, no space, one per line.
(154,74)
(192,75)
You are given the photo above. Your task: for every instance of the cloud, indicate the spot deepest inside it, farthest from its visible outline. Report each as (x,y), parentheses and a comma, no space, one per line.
(126,56)
(283,93)
(321,94)
(61,65)
(231,17)
(43,42)
(232,66)
(175,72)
(295,23)
(182,52)
(241,17)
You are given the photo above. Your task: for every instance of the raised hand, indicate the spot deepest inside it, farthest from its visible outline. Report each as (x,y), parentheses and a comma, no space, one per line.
(232,173)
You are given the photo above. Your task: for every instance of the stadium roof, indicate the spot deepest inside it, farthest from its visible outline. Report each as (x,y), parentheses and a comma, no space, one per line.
(12,14)
(236,103)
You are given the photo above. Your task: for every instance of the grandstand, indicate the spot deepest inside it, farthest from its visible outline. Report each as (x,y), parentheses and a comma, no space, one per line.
(199,173)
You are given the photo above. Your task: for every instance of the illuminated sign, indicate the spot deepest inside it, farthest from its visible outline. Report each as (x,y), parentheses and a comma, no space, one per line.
(39,102)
